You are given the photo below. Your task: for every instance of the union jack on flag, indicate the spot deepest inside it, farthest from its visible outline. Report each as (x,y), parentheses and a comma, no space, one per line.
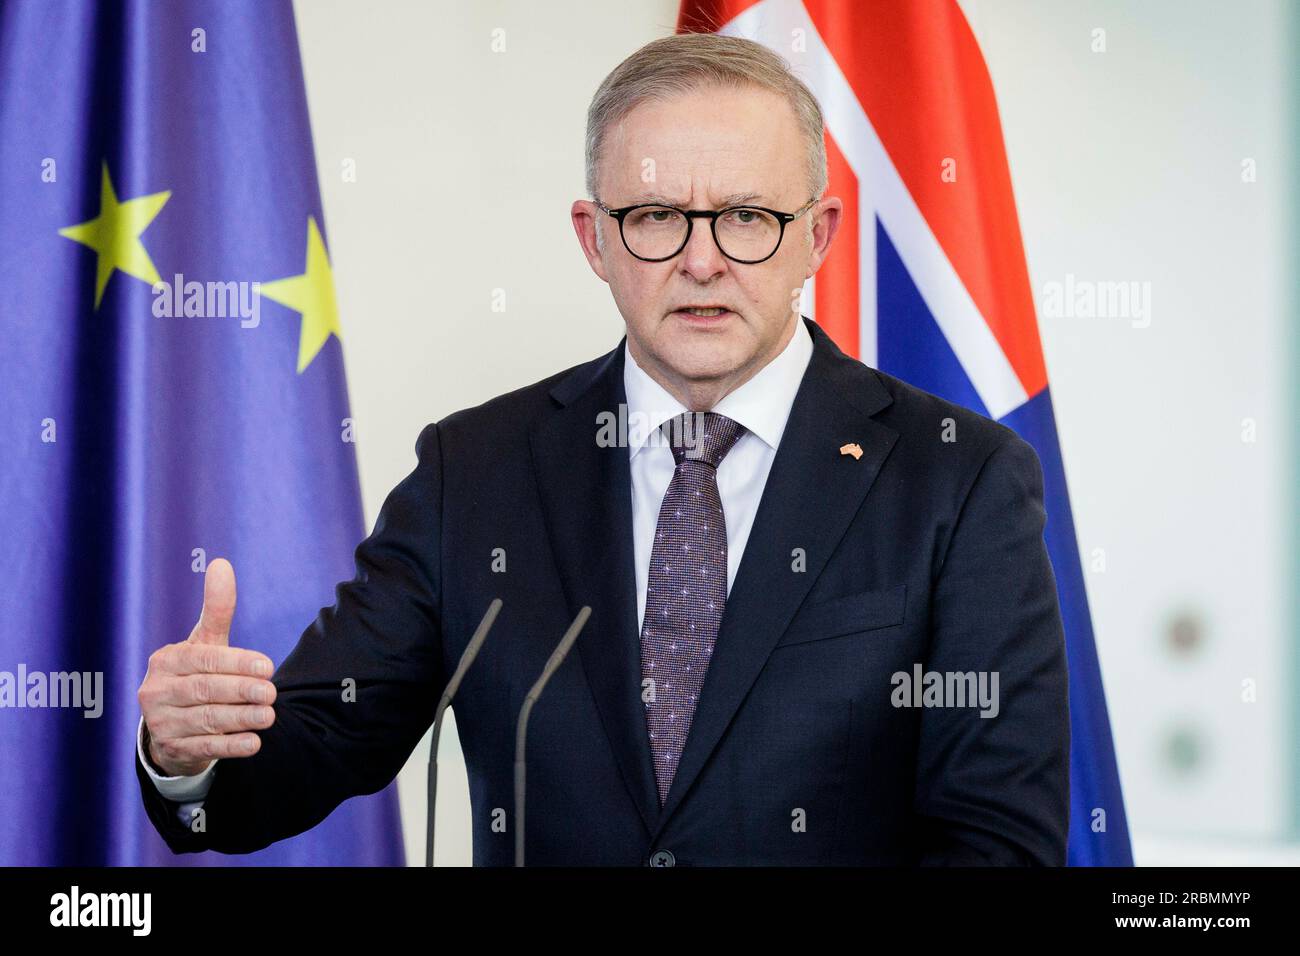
(927,277)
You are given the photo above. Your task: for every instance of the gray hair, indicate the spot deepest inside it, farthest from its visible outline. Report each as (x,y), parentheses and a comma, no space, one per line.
(686,62)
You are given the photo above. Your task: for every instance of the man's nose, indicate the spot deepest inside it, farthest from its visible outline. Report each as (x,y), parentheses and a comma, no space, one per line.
(702,259)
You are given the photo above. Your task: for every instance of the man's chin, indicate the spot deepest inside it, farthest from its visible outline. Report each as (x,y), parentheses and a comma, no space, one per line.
(695,354)
(703,360)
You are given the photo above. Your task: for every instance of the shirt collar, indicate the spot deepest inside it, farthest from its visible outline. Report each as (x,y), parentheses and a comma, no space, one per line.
(762,404)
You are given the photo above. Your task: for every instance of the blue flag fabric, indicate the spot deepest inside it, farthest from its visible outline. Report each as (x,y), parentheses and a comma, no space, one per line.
(157,161)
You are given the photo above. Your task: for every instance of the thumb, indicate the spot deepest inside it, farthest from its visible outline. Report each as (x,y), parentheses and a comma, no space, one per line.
(218,604)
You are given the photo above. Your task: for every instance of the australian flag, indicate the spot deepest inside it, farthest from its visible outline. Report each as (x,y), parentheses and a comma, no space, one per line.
(172,386)
(927,277)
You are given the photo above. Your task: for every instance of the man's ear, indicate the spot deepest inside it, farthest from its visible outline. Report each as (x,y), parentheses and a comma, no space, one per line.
(827,215)
(584,214)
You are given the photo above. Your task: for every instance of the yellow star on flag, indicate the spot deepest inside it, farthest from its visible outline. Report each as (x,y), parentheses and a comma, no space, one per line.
(312,295)
(115,235)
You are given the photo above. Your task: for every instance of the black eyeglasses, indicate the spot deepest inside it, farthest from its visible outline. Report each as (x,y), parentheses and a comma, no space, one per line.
(747,234)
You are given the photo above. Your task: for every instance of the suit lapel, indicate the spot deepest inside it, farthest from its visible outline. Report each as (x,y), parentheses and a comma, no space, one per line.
(586,493)
(811,496)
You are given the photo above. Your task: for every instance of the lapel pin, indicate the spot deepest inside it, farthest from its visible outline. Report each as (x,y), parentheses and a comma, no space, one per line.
(853,448)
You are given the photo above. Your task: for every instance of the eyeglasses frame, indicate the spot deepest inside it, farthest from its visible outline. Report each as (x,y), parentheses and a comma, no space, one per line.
(784,218)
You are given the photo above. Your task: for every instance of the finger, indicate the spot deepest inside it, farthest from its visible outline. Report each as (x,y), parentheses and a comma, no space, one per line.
(203,658)
(218,604)
(210,747)
(191,689)
(201,720)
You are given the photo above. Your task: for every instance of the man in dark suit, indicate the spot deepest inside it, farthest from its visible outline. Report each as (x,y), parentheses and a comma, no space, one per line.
(824,625)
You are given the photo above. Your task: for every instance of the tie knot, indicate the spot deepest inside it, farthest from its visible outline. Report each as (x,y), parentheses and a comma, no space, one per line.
(702,436)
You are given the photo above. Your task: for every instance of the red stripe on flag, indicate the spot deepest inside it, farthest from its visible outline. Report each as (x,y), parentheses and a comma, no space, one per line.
(921,79)
(836,288)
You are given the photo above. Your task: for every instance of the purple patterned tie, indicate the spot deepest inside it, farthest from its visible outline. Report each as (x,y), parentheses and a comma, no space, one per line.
(687,586)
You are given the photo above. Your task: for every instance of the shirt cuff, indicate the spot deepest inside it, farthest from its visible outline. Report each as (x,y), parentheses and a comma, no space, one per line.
(179,788)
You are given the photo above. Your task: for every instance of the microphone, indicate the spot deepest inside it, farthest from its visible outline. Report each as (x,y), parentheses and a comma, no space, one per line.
(467,658)
(552,663)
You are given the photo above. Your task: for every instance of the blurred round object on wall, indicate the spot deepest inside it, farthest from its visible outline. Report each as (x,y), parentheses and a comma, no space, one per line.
(1184,750)
(1185,635)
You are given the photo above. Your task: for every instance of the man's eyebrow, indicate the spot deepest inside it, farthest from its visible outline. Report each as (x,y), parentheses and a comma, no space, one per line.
(735,199)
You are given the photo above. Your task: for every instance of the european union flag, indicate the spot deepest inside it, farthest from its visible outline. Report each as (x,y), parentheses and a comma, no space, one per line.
(172,387)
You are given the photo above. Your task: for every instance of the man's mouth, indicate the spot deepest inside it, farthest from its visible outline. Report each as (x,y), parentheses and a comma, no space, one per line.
(703,311)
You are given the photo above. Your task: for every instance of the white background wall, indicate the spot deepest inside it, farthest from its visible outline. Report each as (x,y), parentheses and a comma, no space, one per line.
(1126,166)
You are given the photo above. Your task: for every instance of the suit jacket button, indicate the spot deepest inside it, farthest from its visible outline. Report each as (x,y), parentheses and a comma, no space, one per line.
(663,858)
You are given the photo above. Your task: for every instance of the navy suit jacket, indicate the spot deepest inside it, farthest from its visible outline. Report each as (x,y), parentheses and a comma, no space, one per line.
(926,551)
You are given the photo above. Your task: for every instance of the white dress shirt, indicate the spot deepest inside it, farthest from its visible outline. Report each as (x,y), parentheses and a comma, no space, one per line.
(762,405)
